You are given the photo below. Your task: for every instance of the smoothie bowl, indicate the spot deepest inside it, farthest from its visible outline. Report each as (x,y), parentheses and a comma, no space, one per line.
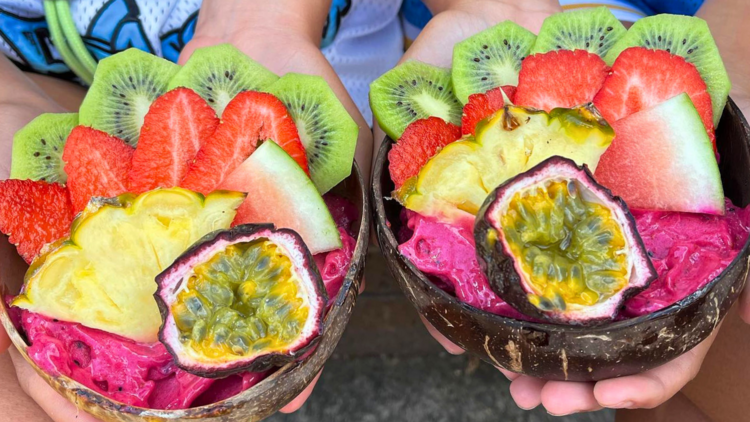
(564,225)
(202,265)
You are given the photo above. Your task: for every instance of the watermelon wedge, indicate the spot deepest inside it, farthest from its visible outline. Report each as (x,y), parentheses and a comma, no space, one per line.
(662,159)
(280,192)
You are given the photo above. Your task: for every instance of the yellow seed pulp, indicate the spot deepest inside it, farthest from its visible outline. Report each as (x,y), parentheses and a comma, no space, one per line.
(571,251)
(243,300)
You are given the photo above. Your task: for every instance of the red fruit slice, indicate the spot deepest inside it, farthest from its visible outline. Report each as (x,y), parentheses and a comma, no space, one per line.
(249,118)
(642,78)
(482,106)
(174,129)
(97,165)
(662,160)
(560,78)
(420,142)
(34,214)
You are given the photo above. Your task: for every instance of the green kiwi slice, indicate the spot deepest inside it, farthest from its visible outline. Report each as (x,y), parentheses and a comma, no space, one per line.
(413,91)
(326,129)
(124,87)
(220,72)
(38,147)
(595,30)
(490,59)
(684,36)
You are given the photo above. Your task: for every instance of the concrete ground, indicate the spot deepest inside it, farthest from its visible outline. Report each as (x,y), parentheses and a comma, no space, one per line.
(387,368)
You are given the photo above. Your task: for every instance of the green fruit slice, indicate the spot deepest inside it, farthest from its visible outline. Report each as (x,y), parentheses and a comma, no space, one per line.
(326,129)
(684,36)
(124,87)
(490,59)
(38,148)
(220,72)
(103,275)
(595,30)
(413,91)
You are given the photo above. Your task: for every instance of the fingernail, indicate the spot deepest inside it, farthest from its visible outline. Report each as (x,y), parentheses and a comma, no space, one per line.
(562,414)
(622,405)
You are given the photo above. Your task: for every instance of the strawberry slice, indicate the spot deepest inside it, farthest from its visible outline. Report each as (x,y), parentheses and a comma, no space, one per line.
(34,214)
(482,106)
(560,78)
(643,78)
(249,118)
(174,129)
(420,141)
(97,164)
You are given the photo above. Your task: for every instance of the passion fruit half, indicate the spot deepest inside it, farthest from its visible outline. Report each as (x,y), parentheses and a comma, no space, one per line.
(243,299)
(557,245)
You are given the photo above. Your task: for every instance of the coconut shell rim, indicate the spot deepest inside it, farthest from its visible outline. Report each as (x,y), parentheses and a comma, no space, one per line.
(74,391)
(382,224)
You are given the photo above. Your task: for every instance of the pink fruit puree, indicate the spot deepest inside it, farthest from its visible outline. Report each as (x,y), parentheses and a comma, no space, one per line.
(688,251)
(143,374)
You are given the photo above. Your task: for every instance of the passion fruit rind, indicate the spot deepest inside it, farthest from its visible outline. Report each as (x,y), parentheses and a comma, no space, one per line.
(576,265)
(176,279)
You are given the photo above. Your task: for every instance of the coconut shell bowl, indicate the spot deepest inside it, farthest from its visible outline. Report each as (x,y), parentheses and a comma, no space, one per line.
(567,352)
(253,404)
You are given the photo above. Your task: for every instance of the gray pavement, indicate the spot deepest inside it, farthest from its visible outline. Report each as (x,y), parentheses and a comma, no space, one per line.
(387,368)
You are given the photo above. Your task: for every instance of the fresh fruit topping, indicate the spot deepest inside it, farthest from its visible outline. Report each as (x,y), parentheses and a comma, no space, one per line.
(33,214)
(684,36)
(251,117)
(128,239)
(326,129)
(482,106)
(420,142)
(175,128)
(643,78)
(560,79)
(556,245)
(38,148)
(243,299)
(125,85)
(452,186)
(279,192)
(662,160)
(97,165)
(594,29)
(490,59)
(218,73)
(413,91)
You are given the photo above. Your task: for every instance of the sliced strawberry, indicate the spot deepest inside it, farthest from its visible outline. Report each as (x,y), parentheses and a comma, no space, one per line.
(174,129)
(34,214)
(560,78)
(482,106)
(249,118)
(642,78)
(420,142)
(97,164)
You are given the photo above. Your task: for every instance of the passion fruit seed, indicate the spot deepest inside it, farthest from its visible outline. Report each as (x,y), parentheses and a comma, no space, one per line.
(245,298)
(571,250)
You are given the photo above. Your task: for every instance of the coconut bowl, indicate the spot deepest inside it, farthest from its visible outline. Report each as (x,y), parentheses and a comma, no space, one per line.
(253,404)
(575,353)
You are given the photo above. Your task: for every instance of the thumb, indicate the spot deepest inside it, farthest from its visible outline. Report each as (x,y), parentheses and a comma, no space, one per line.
(194,44)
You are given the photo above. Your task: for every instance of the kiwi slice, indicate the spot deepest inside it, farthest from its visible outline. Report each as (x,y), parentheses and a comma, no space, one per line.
(38,147)
(326,129)
(125,85)
(220,72)
(684,36)
(490,59)
(595,30)
(413,91)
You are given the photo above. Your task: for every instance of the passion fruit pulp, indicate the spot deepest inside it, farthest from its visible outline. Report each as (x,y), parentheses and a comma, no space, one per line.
(244,299)
(558,246)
